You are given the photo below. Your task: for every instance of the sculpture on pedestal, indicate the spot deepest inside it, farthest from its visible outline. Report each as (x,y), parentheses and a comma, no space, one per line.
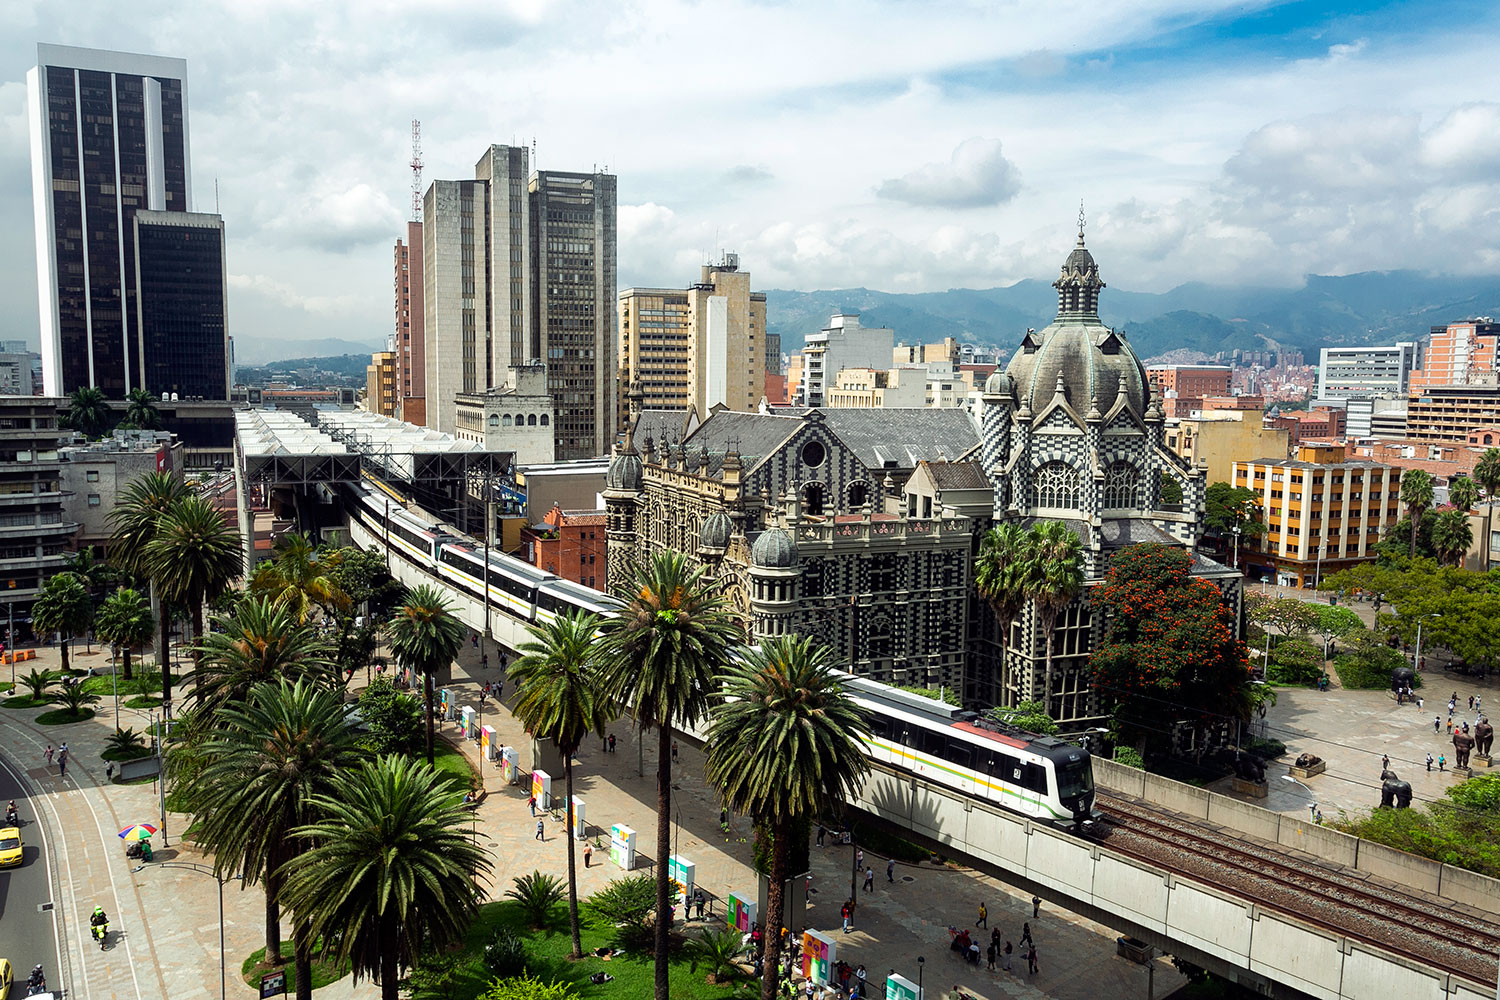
(1462,744)
(1394,791)
(1484,735)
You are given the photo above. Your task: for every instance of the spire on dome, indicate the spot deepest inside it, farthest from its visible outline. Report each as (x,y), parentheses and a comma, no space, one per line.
(1080,221)
(1078,286)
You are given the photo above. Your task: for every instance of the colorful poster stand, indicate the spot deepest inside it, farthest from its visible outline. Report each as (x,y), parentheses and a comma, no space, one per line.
(445,704)
(488,741)
(819,954)
(576,821)
(510,765)
(469,723)
(682,871)
(739,910)
(622,846)
(541,789)
(901,988)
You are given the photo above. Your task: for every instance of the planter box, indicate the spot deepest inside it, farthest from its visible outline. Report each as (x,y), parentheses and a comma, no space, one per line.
(1138,952)
(1308,772)
(1254,789)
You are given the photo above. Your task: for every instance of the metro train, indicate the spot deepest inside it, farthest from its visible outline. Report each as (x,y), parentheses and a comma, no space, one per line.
(1041,777)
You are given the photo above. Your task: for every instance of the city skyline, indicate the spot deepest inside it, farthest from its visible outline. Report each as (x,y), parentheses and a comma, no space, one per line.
(1211,141)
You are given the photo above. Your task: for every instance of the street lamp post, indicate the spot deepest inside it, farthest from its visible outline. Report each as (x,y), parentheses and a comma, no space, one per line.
(206,870)
(1318,570)
(1416,657)
(920,963)
(1236,546)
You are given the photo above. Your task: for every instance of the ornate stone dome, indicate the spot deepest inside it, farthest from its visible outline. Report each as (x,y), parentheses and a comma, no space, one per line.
(624,472)
(1077,351)
(774,549)
(716,531)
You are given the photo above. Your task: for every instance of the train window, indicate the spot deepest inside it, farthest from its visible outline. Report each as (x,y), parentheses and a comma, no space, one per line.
(960,753)
(879,726)
(1074,780)
(910,737)
(1035,778)
(935,744)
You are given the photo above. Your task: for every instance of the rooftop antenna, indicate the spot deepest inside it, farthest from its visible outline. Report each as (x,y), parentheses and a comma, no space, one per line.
(216,197)
(416,170)
(1080,221)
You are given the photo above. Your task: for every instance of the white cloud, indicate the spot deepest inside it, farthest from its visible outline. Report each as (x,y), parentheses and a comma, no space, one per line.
(977,175)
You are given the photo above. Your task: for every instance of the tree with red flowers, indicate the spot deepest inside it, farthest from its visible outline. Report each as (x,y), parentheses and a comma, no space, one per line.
(1172,651)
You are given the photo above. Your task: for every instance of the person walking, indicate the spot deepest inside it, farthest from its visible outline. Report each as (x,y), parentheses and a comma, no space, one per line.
(611,742)
(1005,957)
(1442,762)
(1312,810)
(822,832)
(844,912)
(1429,762)
(1471,703)
(1025,935)
(890,869)
(1036,907)
(531,804)
(539,829)
(1031,966)
(984,917)
(1385,762)
(49,754)
(62,764)
(674,751)
(859,859)
(869,880)
(588,854)
(1437,723)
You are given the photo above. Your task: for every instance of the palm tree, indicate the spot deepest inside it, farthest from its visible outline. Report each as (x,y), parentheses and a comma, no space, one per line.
(999,576)
(558,697)
(140,410)
(663,656)
(1487,475)
(392,873)
(1416,494)
(263,762)
(134,521)
(88,413)
(259,644)
(125,620)
(784,740)
(425,636)
(1463,493)
(1054,576)
(298,579)
(1451,535)
(62,607)
(193,555)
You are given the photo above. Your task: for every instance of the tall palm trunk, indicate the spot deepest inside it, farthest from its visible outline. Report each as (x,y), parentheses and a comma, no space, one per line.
(663,849)
(302,960)
(389,946)
(197,656)
(572,861)
(1049,622)
(427,699)
(126,651)
(1489,520)
(163,639)
(273,910)
(160,608)
(781,849)
(66,663)
(1416,522)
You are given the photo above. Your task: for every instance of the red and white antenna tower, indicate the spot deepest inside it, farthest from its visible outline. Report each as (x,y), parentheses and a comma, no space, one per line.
(416,170)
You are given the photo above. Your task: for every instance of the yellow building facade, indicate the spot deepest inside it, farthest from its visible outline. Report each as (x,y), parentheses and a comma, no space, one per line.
(1220,438)
(381,390)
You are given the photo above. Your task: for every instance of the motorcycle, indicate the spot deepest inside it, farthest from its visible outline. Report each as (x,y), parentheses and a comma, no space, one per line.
(37,983)
(100,932)
(11,819)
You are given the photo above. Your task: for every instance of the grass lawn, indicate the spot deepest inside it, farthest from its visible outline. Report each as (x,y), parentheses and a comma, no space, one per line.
(133,753)
(449,760)
(323,973)
(547,959)
(143,701)
(25,701)
(63,716)
(6,685)
(141,683)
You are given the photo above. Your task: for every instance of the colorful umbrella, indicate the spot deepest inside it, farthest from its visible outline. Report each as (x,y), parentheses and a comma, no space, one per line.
(137,832)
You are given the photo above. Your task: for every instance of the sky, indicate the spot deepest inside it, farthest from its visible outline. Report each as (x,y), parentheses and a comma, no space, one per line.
(901,146)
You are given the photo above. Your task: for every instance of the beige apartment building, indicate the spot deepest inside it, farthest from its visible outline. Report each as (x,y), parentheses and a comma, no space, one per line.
(1322,512)
(904,385)
(1219,438)
(700,346)
(382,384)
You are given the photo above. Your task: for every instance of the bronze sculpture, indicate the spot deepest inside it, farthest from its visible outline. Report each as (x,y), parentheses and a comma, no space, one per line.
(1462,744)
(1484,735)
(1394,791)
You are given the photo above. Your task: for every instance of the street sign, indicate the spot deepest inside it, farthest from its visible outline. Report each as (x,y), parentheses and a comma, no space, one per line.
(273,984)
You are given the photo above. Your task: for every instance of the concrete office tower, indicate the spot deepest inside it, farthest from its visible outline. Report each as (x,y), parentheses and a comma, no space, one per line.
(843,343)
(409,344)
(181,322)
(109,137)
(1351,372)
(519,268)
(1461,353)
(699,346)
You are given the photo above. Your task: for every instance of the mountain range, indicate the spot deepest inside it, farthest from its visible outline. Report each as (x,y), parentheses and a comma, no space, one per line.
(1325,311)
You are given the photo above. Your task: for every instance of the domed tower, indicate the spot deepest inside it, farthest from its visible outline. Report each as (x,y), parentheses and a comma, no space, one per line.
(774,572)
(623,487)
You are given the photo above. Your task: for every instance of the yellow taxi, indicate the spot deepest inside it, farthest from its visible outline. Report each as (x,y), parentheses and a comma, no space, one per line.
(5,978)
(10,847)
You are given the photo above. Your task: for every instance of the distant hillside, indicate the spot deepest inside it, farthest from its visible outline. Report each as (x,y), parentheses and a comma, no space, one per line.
(1367,308)
(250,350)
(338,364)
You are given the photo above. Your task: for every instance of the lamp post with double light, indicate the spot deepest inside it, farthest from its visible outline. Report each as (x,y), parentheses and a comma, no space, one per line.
(211,873)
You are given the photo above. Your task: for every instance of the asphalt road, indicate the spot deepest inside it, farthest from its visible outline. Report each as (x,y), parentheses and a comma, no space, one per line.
(27,936)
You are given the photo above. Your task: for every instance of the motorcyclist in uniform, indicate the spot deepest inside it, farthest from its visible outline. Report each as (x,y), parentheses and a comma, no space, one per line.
(99,925)
(10,814)
(37,983)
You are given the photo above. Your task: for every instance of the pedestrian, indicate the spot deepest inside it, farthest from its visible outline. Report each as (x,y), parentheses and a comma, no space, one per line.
(1429,762)
(859,859)
(890,869)
(989,953)
(1312,810)
(611,742)
(1419,703)
(1471,702)
(1437,723)
(995,937)
(1036,907)
(62,765)
(1005,957)
(869,880)
(62,751)
(531,803)
(844,913)
(109,771)
(822,832)
(483,692)
(588,854)
(1442,762)
(1385,762)
(1031,965)
(474,638)
(1025,934)
(674,751)
(700,901)
(49,753)
(539,832)
(1450,725)
(984,917)
(861,976)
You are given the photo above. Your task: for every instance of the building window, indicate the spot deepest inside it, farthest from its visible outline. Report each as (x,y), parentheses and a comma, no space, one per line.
(1121,487)
(859,494)
(520,420)
(93,499)
(813,454)
(494,420)
(1056,486)
(812,497)
(505,421)
(531,420)
(544,420)
(92,475)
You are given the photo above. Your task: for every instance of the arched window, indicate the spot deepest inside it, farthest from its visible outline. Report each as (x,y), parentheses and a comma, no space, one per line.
(506,421)
(812,499)
(1121,487)
(531,420)
(520,420)
(1055,485)
(494,420)
(859,494)
(544,420)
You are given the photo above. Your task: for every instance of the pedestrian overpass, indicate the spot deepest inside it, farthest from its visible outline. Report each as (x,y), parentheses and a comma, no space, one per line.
(1276,953)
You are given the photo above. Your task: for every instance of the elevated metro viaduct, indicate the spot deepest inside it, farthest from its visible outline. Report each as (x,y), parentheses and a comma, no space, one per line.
(1272,952)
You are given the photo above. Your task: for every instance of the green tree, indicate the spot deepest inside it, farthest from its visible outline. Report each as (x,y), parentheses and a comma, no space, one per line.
(1451,535)
(664,653)
(1332,622)
(96,574)
(62,607)
(194,554)
(1028,715)
(784,741)
(1487,475)
(1287,615)
(133,522)
(1463,493)
(392,719)
(718,951)
(140,410)
(1416,495)
(298,579)
(392,873)
(425,636)
(74,697)
(124,620)
(264,761)
(1171,651)
(373,593)
(1295,661)
(559,698)
(1171,490)
(1000,575)
(260,643)
(1227,507)
(537,894)
(1054,577)
(39,682)
(88,413)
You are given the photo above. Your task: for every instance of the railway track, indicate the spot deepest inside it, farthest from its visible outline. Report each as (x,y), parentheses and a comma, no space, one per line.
(1420,929)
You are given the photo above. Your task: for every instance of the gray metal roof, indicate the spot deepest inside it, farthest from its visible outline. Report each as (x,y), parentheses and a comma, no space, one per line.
(896,437)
